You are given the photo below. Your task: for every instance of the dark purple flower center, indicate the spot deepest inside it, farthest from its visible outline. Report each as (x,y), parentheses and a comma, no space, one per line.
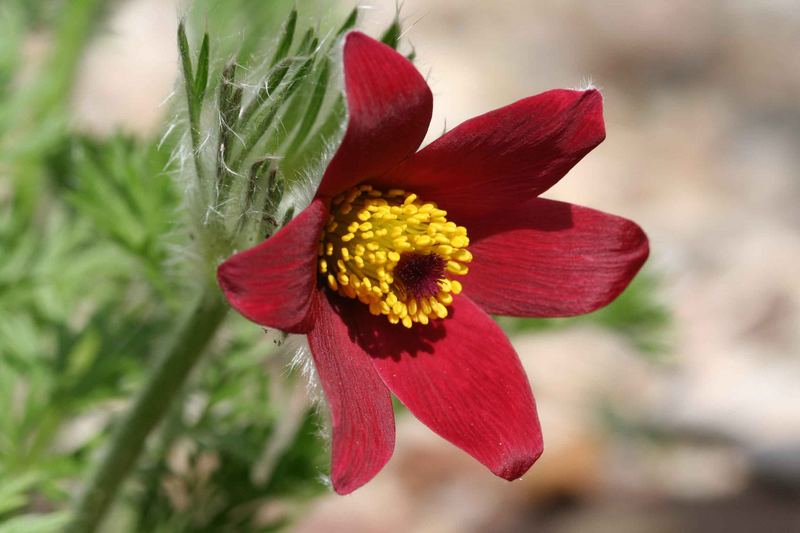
(420,274)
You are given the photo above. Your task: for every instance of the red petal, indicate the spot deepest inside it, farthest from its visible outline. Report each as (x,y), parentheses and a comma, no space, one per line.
(361,407)
(507,155)
(389,106)
(273,283)
(551,258)
(461,377)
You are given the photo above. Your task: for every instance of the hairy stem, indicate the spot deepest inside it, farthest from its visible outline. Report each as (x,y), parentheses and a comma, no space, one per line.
(174,365)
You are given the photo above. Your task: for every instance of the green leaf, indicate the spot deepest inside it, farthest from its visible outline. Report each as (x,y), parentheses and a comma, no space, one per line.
(288,215)
(276,186)
(46,523)
(349,22)
(318,91)
(201,78)
(318,141)
(287,36)
(274,78)
(305,45)
(229,102)
(14,490)
(391,36)
(186,61)
(271,110)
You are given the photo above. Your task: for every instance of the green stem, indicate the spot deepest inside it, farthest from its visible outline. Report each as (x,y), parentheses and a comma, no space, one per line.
(152,403)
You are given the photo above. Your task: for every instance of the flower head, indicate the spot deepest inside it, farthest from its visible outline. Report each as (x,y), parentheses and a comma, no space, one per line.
(394,267)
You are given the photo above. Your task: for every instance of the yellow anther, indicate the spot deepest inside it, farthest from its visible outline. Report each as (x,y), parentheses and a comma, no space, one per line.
(399,308)
(386,229)
(456,268)
(444,250)
(463,255)
(459,241)
(332,282)
(426,307)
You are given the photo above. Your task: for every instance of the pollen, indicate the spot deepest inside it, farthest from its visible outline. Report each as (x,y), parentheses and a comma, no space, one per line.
(394,253)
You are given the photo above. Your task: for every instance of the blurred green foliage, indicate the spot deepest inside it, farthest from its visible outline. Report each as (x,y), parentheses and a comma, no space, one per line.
(92,278)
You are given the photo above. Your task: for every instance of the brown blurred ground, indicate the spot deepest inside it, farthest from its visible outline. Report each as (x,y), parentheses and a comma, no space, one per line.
(703,122)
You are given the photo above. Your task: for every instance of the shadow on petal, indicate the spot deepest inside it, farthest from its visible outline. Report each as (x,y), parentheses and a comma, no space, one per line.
(381,339)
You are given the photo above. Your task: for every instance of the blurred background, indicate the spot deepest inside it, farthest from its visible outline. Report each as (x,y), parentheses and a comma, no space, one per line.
(675,409)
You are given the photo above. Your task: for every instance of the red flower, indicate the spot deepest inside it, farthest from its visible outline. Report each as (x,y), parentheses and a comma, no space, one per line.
(365,259)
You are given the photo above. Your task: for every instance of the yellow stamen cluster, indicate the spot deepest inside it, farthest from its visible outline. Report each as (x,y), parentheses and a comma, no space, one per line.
(364,239)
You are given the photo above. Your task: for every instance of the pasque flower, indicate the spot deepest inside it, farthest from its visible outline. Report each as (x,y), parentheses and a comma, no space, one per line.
(393,269)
